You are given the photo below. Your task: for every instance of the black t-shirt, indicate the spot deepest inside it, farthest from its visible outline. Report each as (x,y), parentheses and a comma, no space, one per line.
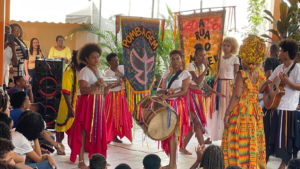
(271,63)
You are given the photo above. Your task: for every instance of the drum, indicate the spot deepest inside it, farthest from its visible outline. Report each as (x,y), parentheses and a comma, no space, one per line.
(157,119)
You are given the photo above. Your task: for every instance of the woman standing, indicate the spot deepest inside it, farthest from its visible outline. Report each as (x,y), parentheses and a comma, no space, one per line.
(21,49)
(119,120)
(198,70)
(172,79)
(34,50)
(243,141)
(60,51)
(68,102)
(228,68)
(89,127)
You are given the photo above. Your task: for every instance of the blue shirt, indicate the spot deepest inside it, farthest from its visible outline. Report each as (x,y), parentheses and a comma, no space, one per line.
(15,89)
(15,115)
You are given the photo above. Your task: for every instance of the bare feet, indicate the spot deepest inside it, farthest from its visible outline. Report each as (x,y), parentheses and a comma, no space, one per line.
(207,141)
(82,165)
(116,140)
(195,165)
(184,151)
(107,165)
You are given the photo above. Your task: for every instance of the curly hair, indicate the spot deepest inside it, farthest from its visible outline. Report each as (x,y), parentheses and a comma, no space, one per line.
(213,158)
(17,99)
(123,166)
(7,166)
(198,47)
(291,46)
(3,100)
(20,27)
(4,131)
(294,164)
(59,36)
(5,147)
(5,118)
(86,50)
(109,56)
(97,161)
(176,51)
(233,43)
(30,125)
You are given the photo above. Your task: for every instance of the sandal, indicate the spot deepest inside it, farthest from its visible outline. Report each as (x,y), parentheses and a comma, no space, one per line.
(60,149)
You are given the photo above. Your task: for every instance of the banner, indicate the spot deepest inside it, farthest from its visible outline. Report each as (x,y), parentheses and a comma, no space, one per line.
(140,42)
(207,29)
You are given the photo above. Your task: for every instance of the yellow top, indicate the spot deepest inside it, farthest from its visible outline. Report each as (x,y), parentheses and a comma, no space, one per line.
(63,53)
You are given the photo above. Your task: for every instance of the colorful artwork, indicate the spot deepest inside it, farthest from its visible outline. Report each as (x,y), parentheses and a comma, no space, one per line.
(140,42)
(206,28)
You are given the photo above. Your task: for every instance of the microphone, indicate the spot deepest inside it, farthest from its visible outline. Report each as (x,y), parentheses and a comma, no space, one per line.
(39,47)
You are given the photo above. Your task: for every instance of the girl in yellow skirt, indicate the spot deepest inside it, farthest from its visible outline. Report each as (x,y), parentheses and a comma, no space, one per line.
(243,141)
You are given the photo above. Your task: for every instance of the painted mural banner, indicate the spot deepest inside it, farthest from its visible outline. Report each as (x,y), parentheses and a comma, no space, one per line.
(140,42)
(205,28)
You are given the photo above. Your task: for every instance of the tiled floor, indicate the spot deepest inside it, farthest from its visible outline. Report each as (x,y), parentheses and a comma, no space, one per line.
(133,154)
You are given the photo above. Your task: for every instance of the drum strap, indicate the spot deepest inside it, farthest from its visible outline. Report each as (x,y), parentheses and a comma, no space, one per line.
(173,79)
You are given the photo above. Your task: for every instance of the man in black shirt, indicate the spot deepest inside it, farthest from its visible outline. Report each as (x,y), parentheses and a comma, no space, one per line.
(272,62)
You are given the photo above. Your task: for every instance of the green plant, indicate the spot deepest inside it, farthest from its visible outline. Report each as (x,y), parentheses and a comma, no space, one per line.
(107,42)
(255,17)
(288,24)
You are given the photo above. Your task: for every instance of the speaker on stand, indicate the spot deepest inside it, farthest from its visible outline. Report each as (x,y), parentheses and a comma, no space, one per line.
(47,86)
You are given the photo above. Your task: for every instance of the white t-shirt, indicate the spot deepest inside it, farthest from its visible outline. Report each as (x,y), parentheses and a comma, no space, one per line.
(22,145)
(6,62)
(177,83)
(87,75)
(227,67)
(111,73)
(192,68)
(290,100)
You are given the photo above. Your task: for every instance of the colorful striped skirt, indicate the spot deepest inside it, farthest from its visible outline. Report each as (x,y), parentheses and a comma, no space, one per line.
(118,118)
(282,137)
(180,106)
(90,117)
(215,125)
(196,107)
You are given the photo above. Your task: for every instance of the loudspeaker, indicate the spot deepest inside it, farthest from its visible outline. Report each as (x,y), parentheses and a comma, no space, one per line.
(47,86)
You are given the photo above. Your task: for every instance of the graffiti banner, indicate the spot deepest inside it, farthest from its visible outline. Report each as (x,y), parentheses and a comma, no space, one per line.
(140,42)
(206,28)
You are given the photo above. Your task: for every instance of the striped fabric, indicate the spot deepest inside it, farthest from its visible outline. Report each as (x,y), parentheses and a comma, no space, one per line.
(243,142)
(19,69)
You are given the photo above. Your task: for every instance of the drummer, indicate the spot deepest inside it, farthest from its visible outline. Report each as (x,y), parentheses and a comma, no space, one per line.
(170,80)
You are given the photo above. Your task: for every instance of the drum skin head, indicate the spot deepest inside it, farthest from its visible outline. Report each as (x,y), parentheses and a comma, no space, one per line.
(158,127)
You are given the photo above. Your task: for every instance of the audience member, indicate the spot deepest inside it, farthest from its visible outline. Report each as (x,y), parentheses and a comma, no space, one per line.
(9,56)
(212,158)
(6,119)
(8,166)
(4,102)
(123,166)
(5,131)
(6,151)
(60,51)
(21,49)
(294,164)
(29,65)
(20,85)
(233,167)
(28,129)
(98,161)
(152,161)
(20,102)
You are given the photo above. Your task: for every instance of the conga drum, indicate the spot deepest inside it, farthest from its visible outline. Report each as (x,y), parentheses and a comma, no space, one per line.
(157,119)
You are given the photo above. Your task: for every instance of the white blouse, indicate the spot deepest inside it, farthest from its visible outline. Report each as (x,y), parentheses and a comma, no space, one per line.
(227,67)
(177,83)
(192,68)
(110,73)
(87,75)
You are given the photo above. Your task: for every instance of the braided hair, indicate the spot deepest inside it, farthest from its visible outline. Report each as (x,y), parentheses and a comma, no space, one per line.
(3,100)
(213,158)
(74,62)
